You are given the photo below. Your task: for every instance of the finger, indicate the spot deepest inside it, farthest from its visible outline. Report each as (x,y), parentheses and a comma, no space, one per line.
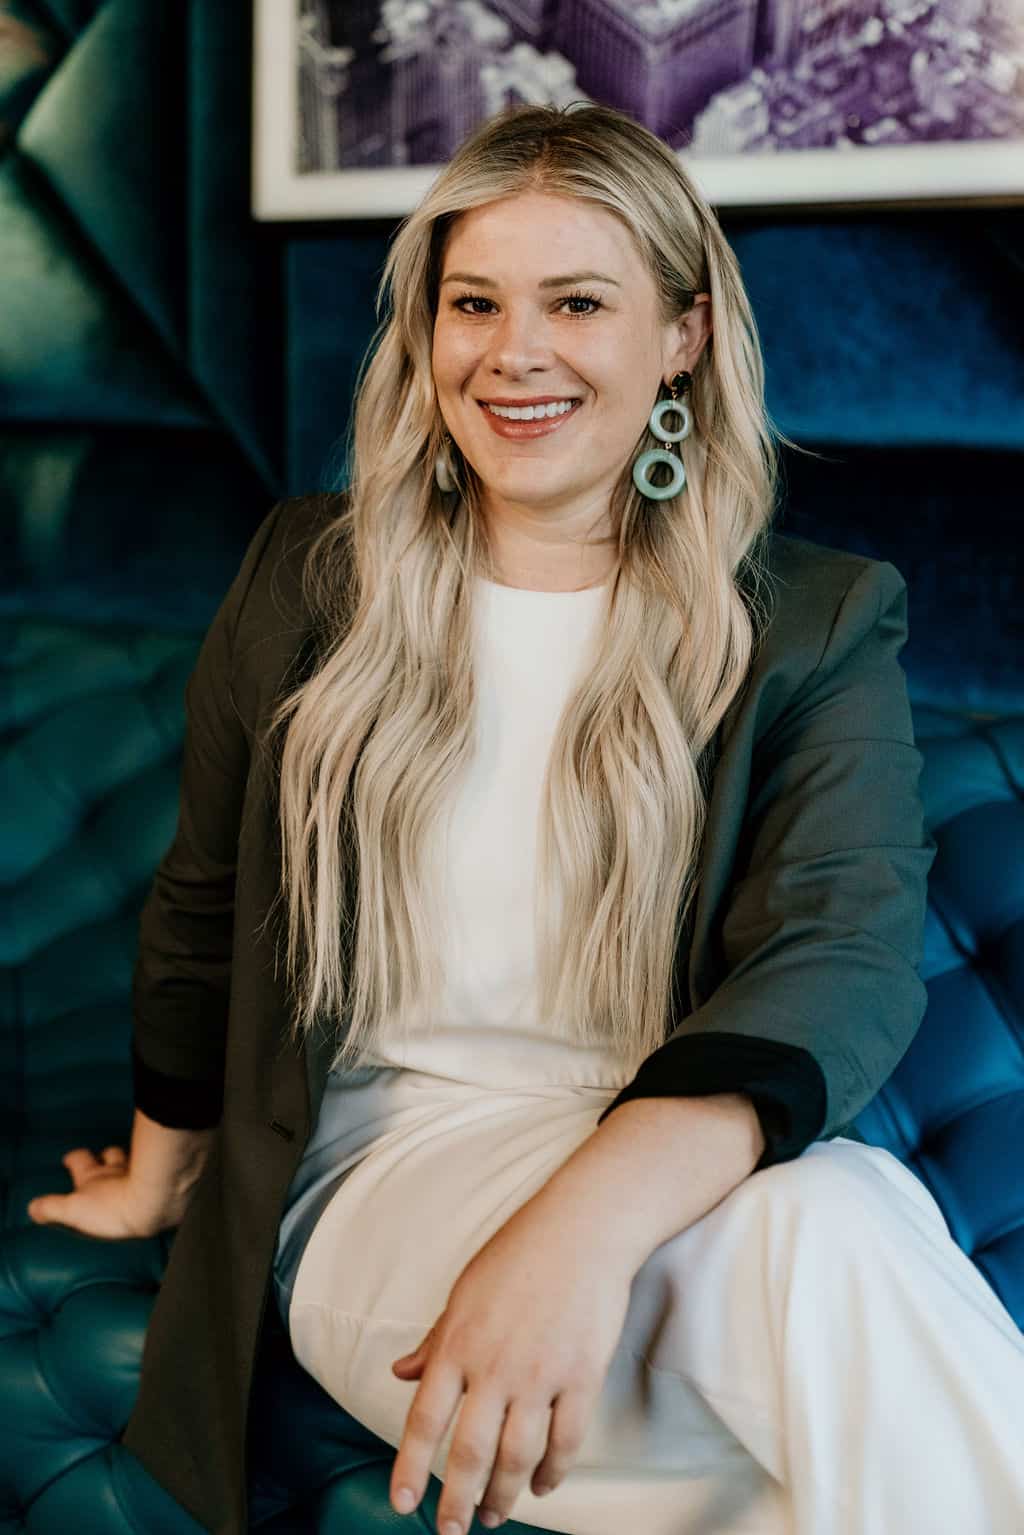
(566,1433)
(114,1154)
(48,1210)
(421,1345)
(524,1442)
(433,1407)
(79,1161)
(478,1442)
(418,1355)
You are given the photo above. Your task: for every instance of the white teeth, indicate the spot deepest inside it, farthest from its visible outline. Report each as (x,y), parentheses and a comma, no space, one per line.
(532,412)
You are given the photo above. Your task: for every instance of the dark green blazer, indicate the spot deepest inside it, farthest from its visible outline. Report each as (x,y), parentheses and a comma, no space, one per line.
(796,976)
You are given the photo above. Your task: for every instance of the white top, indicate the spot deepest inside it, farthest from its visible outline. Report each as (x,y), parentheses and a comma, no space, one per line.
(531,650)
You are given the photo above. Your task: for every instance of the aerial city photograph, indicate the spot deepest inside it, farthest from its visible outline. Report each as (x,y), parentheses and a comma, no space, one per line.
(401,82)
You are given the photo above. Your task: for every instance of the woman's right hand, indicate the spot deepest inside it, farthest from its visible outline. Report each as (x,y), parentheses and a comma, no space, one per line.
(104,1202)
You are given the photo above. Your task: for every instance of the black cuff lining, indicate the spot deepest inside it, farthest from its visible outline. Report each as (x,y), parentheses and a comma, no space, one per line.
(179,1103)
(784,1082)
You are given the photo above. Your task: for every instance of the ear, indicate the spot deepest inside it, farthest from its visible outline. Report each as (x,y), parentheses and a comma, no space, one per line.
(688,336)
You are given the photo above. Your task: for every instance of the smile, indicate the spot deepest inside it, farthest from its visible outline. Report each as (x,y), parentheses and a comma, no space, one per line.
(541,426)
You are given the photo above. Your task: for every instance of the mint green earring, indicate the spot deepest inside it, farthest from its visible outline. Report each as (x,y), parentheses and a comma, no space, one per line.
(679,385)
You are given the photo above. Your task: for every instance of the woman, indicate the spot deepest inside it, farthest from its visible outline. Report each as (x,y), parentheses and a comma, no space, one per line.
(611,793)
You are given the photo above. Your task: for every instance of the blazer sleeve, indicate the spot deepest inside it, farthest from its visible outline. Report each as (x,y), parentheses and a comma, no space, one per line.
(824,928)
(181,981)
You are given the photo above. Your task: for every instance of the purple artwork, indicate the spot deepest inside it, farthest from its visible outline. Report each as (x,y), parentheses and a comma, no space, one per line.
(390,83)
(358,103)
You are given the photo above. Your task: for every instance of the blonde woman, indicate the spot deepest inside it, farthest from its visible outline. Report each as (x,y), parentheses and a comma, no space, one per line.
(546,903)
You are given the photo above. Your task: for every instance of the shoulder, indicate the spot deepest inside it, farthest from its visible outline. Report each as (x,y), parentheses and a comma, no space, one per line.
(803,572)
(275,557)
(824,603)
(274,627)
(816,588)
(298,520)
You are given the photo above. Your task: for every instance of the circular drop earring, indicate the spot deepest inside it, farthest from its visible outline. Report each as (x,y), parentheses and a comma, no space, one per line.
(679,385)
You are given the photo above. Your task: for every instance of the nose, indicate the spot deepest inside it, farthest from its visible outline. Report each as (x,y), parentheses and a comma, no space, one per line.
(518,342)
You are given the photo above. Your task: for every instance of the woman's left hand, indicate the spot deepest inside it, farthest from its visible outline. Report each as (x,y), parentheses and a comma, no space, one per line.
(531,1325)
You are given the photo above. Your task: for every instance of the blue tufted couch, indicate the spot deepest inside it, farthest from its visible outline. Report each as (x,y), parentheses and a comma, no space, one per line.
(91,730)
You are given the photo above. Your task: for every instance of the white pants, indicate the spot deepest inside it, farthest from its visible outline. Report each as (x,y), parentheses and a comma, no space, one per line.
(815,1356)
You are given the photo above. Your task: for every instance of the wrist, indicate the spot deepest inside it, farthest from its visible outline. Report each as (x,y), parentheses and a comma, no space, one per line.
(654,1167)
(165,1167)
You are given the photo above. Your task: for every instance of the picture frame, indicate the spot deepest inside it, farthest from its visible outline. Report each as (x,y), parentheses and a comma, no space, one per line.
(357,104)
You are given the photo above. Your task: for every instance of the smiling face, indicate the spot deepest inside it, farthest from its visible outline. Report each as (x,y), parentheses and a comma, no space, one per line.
(541,298)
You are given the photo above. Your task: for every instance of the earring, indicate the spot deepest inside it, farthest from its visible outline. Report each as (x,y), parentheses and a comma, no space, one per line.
(443,469)
(679,385)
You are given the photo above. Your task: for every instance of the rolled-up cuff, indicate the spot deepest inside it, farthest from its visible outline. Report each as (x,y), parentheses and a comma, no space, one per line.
(784,1082)
(179,1103)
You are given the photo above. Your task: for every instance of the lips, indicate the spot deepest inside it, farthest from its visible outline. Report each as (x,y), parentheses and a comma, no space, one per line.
(541,399)
(539,426)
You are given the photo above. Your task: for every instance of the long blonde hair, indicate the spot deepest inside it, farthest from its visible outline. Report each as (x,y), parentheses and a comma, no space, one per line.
(375,738)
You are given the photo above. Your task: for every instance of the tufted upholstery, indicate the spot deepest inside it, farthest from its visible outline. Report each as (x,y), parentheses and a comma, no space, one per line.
(954,1108)
(91,731)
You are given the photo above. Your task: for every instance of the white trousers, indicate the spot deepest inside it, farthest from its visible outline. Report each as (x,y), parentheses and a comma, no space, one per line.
(815,1356)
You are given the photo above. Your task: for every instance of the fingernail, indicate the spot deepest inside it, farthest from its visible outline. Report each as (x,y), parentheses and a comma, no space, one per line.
(404,1500)
(450,1527)
(540,1491)
(490,1520)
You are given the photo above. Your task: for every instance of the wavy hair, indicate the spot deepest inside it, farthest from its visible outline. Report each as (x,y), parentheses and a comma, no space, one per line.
(371,744)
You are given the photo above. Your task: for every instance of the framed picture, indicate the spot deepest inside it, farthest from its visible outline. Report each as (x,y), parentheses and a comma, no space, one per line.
(818,103)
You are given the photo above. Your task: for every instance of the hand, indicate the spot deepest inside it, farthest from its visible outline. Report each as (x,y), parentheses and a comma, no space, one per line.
(104,1201)
(531,1324)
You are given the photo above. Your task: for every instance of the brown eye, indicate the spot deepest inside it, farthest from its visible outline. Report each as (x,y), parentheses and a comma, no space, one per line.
(570,298)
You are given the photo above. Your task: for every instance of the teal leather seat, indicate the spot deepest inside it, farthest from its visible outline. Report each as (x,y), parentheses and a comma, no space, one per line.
(90,735)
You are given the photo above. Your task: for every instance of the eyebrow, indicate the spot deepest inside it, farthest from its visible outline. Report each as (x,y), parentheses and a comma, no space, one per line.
(545,282)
